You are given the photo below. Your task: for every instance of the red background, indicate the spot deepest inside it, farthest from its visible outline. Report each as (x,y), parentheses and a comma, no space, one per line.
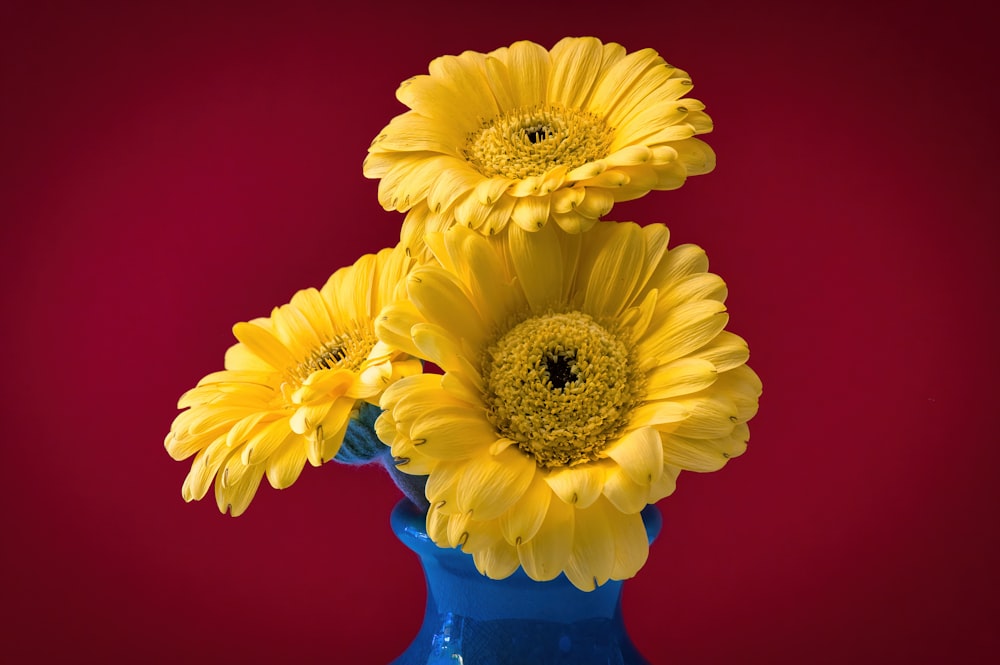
(169,170)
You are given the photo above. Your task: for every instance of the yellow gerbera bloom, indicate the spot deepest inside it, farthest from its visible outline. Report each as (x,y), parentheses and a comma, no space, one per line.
(526,134)
(291,385)
(582,373)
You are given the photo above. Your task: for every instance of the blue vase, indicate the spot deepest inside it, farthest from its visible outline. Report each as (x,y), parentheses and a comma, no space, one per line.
(473,620)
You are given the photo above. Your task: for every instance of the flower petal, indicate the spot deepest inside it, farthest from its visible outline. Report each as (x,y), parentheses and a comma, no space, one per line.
(529,64)
(490,484)
(631,544)
(264,345)
(522,520)
(578,485)
(451,433)
(545,556)
(593,557)
(576,63)
(538,263)
(640,454)
(624,493)
(681,377)
(443,300)
(285,465)
(613,275)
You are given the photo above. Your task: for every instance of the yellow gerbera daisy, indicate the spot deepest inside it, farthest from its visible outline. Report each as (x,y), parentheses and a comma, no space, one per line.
(526,134)
(291,385)
(582,373)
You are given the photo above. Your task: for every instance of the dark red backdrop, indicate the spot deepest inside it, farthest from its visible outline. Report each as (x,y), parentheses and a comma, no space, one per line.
(168,171)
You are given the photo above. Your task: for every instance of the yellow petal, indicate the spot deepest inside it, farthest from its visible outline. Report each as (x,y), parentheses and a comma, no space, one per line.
(574,222)
(635,320)
(452,433)
(236,497)
(490,484)
(307,417)
(593,558)
(498,561)
(414,462)
(437,526)
(499,215)
(699,286)
(697,156)
(545,556)
(451,183)
(443,300)
(712,416)
(680,261)
(576,63)
(529,186)
(324,385)
(285,465)
(702,455)
(441,489)
(203,470)
(239,357)
(610,179)
(394,323)
(655,120)
(490,190)
(263,344)
(567,199)
(265,441)
(413,132)
(656,414)
(683,329)
(469,212)
(667,483)
(578,485)
(441,348)
(626,83)
(596,203)
(531,212)
(529,66)
(465,75)
(522,520)
(624,493)
(630,155)
(499,79)
(631,543)
(407,179)
(614,275)
(537,259)
(725,352)
(640,454)
(681,377)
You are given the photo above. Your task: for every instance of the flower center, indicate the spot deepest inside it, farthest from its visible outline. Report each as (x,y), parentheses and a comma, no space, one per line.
(561,386)
(347,350)
(534,140)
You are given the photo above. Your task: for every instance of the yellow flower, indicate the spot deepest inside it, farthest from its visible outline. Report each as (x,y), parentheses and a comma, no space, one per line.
(529,135)
(582,373)
(291,385)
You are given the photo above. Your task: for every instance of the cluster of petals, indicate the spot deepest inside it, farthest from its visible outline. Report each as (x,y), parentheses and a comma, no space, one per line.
(527,135)
(507,501)
(290,386)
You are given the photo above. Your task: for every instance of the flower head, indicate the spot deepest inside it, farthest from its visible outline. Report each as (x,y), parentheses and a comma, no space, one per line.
(582,373)
(526,135)
(291,385)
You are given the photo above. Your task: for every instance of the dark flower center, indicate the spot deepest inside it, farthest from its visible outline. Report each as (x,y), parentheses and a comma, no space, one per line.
(538,133)
(561,369)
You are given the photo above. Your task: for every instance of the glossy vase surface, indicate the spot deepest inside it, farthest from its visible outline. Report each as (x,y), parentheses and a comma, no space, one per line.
(473,620)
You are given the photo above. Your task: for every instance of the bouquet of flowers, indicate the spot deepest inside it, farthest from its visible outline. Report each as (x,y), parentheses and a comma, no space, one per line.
(532,375)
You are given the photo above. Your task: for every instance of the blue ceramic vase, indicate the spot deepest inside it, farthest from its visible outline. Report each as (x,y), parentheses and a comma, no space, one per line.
(473,620)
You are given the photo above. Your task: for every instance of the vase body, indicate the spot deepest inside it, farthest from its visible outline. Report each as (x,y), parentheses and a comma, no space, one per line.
(473,620)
